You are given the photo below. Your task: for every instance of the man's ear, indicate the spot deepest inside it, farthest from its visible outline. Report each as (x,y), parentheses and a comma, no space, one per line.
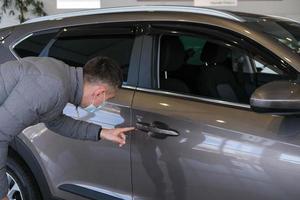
(100,89)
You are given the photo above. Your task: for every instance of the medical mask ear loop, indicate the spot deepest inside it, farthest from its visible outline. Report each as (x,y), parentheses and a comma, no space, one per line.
(102,104)
(104,100)
(77,112)
(91,105)
(93,101)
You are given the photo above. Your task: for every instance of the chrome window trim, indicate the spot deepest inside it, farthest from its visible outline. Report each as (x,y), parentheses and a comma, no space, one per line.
(227,103)
(183,9)
(275,100)
(128,87)
(158,61)
(14,44)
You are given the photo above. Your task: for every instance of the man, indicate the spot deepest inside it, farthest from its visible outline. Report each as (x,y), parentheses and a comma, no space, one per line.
(36,89)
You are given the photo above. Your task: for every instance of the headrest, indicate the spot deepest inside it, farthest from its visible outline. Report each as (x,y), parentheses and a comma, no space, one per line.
(214,53)
(172,53)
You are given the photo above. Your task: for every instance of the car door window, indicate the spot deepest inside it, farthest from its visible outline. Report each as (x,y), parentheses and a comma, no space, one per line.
(34,44)
(76,45)
(212,68)
(262,68)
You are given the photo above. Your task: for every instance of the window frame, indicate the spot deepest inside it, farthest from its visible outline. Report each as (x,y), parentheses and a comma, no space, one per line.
(192,29)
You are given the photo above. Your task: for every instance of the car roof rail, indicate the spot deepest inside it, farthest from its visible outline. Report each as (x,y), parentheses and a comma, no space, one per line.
(183,9)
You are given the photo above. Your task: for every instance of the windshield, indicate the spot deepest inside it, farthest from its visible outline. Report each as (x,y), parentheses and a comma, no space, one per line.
(285,31)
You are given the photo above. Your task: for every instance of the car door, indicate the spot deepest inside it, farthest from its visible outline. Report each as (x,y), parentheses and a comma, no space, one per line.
(84,169)
(200,139)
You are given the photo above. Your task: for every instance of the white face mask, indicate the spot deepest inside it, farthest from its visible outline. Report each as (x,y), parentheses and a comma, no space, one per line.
(92,108)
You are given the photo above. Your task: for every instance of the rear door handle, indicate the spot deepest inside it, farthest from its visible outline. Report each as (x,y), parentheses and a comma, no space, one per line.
(157,128)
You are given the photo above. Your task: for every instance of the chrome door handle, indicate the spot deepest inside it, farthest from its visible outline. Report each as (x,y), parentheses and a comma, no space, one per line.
(162,131)
(157,128)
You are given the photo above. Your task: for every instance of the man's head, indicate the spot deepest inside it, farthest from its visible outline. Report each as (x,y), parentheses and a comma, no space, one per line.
(102,77)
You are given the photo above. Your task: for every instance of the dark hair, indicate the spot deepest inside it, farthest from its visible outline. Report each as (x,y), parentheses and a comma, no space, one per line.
(103,69)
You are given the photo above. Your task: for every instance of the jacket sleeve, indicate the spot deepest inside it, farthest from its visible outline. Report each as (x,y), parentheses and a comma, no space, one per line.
(25,103)
(38,98)
(72,128)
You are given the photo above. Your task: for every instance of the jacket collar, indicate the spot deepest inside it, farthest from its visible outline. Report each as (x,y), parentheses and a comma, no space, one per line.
(76,85)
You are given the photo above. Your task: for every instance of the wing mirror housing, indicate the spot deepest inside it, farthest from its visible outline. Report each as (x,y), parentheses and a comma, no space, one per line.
(277,97)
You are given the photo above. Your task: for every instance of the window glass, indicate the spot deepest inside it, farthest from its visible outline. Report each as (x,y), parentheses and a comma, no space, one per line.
(214,69)
(266,72)
(34,45)
(261,68)
(193,47)
(77,50)
(77,45)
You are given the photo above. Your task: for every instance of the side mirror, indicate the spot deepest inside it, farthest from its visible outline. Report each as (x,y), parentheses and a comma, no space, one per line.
(277,97)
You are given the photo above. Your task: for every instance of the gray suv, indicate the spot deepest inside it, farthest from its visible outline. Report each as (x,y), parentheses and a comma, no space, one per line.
(214,96)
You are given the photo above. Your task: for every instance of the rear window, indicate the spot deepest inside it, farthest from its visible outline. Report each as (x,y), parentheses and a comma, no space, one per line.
(75,46)
(34,45)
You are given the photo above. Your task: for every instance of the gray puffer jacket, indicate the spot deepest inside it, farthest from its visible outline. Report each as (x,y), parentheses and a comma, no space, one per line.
(34,90)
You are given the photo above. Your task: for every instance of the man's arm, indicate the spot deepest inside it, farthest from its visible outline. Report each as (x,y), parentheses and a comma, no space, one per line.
(76,129)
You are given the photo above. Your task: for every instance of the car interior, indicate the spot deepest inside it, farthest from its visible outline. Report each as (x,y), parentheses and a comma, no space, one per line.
(212,69)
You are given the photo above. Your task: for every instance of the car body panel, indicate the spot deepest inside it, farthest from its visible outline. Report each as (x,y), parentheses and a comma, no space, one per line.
(4,45)
(222,152)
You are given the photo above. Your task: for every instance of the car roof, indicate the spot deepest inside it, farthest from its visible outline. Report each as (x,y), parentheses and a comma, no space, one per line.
(231,15)
(135,9)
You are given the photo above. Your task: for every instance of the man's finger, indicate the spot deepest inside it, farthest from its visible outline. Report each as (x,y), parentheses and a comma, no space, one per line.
(123,136)
(119,140)
(126,129)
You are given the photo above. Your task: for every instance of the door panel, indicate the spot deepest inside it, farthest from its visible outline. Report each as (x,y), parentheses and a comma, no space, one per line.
(221,153)
(101,167)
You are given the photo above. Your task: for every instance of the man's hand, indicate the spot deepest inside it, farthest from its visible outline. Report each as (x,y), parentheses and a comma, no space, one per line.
(5,198)
(115,135)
